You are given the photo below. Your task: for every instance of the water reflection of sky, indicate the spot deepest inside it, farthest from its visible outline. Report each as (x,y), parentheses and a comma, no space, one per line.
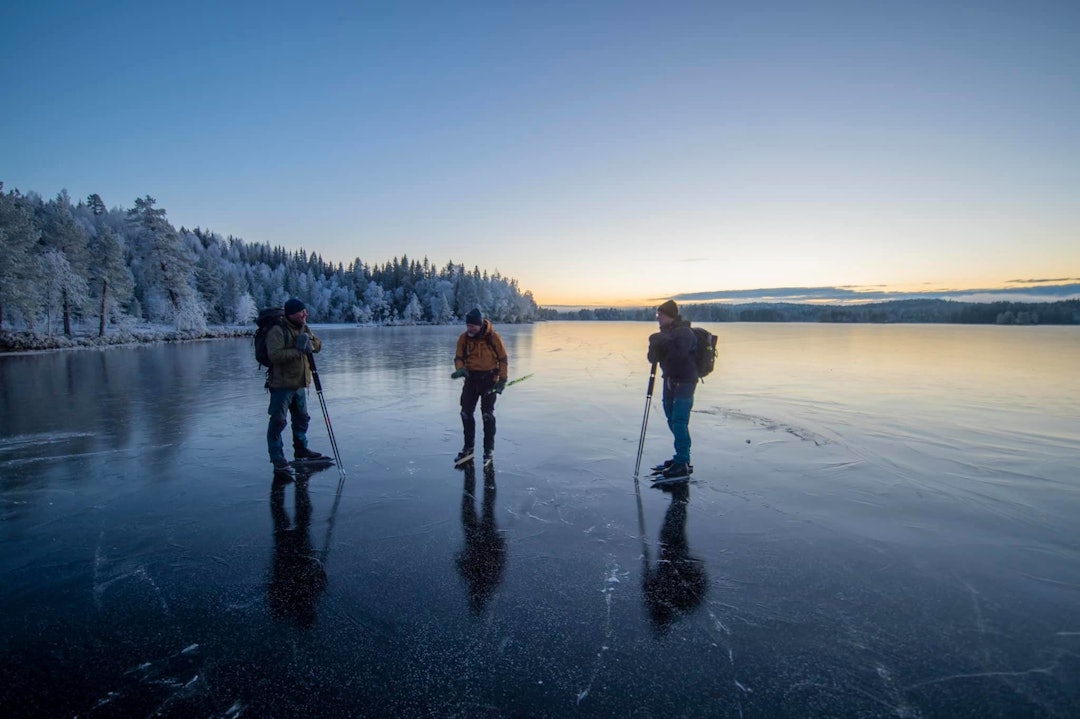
(881,522)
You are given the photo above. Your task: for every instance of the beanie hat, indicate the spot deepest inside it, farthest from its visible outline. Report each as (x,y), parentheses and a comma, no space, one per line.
(292,306)
(475,317)
(669,308)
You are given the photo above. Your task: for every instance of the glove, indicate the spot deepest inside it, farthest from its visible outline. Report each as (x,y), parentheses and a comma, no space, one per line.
(499,386)
(458,373)
(654,347)
(303,343)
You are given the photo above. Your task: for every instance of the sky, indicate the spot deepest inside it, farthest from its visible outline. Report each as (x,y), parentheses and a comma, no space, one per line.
(600,153)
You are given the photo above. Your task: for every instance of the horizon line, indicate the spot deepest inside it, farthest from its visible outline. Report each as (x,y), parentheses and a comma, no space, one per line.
(1042,291)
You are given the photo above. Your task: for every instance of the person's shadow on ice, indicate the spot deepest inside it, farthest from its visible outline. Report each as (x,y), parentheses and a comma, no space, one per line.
(482,560)
(297,577)
(677,584)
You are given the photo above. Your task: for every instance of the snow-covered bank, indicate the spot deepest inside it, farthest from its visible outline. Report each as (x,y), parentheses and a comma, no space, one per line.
(27,341)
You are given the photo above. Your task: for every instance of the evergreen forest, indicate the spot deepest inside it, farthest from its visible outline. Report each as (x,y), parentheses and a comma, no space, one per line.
(66,265)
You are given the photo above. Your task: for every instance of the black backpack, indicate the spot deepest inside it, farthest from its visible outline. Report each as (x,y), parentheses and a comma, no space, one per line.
(705,355)
(267,318)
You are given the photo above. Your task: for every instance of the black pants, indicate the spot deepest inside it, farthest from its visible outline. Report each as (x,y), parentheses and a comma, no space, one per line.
(478,387)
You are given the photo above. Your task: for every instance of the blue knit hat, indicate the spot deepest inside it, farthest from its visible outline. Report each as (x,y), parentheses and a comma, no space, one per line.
(292,306)
(475,317)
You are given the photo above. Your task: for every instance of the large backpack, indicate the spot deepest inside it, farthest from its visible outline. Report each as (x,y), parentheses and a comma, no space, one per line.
(267,318)
(705,355)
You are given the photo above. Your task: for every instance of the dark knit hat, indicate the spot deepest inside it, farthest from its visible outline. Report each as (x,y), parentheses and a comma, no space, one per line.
(475,317)
(292,306)
(669,308)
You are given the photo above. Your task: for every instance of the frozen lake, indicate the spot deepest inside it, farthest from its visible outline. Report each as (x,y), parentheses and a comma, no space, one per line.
(883,522)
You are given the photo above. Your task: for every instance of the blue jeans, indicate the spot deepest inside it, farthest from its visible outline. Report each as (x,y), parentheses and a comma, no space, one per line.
(285,402)
(678,401)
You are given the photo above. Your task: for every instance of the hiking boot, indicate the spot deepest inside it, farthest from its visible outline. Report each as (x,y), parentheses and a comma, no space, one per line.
(303,454)
(463,456)
(676,470)
(489,457)
(282,467)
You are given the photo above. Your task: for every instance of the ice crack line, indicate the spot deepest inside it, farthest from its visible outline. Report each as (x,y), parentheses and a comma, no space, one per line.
(611,580)
(724,638)
(982,675)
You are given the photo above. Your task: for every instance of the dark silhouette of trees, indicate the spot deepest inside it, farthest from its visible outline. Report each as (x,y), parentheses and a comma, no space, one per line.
(1064,312)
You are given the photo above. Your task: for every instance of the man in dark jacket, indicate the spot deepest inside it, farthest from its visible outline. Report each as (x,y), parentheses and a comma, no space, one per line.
(480,358)
(289,344)
(674,347)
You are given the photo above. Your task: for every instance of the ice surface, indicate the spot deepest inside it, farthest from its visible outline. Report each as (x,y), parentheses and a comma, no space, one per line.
(881,522)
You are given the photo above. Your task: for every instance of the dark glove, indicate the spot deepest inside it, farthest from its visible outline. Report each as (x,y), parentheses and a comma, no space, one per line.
(499,386)
(458,373)
(303,343)
(654,347)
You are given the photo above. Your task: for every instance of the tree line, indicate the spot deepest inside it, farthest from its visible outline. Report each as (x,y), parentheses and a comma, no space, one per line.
(63,264)
(1065,312)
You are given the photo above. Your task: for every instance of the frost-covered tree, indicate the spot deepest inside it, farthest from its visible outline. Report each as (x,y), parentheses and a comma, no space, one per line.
(165,267)
(246,310)
(467,292)
(60,234)
(19,277)
(413,311)
(191,314)
(375,303)
(64,288)
(96,205)
(110,279)
(233,291)
(209,283)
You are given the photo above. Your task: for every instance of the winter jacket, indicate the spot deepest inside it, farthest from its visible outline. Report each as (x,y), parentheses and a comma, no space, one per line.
(482,353)
(674,349)
(289,367)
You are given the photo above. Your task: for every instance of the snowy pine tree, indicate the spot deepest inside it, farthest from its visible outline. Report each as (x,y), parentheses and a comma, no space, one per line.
(19,276)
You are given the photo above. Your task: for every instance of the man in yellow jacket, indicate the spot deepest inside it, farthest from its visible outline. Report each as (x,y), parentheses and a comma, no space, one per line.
(481,359)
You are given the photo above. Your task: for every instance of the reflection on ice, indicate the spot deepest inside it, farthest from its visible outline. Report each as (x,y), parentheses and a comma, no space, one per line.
(297,577)
(483,558)
(676,584)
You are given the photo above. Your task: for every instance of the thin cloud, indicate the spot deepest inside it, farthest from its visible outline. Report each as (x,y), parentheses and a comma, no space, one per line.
(1037,282)
(848,295)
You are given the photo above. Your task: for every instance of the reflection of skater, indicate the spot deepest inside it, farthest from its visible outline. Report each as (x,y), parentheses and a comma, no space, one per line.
(482,559)
(678,583)
(297,576)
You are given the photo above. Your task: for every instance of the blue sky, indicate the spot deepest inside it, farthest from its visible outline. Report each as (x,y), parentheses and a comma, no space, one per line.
(600,153)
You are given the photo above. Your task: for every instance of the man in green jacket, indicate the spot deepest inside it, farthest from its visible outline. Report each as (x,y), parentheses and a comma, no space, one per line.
(289,344)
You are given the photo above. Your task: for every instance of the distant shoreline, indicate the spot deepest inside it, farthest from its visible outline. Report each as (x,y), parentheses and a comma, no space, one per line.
(913,311)
(27,342)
